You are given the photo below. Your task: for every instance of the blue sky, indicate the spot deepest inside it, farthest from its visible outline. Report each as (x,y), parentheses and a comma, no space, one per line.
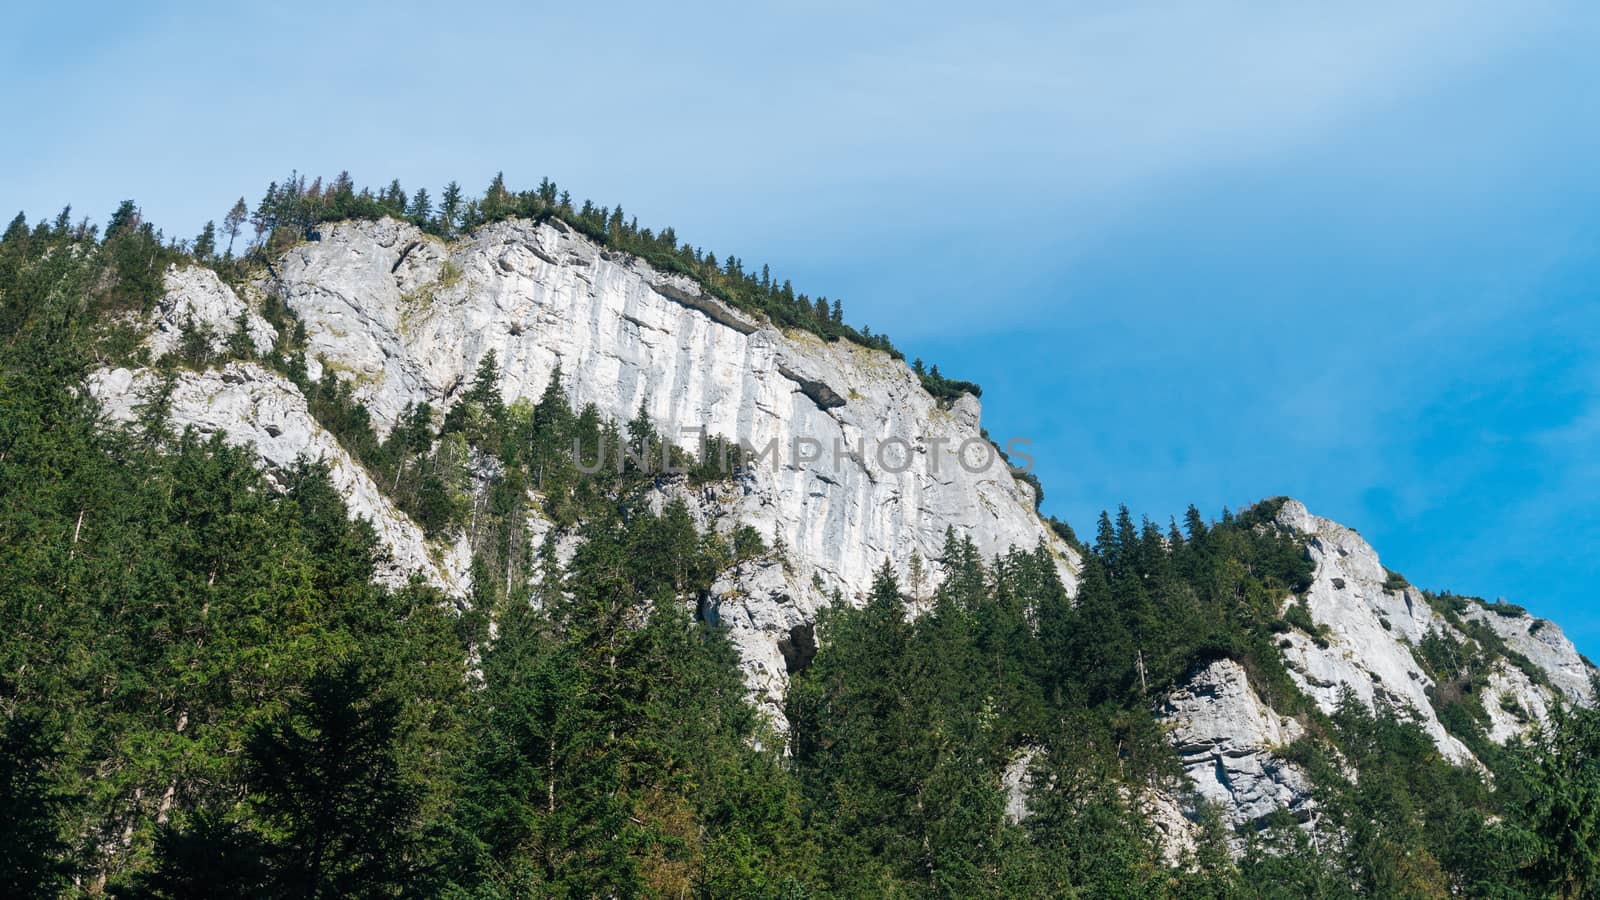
(1196,252)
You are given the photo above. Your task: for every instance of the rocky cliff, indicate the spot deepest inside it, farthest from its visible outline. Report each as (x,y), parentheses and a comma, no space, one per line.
(1372,623)
(857,464)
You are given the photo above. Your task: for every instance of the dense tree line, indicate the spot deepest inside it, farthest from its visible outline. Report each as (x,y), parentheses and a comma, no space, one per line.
(203,692)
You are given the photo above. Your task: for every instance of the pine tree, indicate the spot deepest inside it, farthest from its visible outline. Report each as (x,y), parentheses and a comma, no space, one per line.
(265,217)
(642,438)
(420,212)
(485,388)
(1194,525)
(125,219)
(240,344)
(1560,773)
(496,199)
(213,856)
(393,199)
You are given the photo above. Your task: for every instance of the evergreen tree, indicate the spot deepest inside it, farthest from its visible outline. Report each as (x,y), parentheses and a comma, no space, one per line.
(420,212)
(240,344)
(234,221)
(1558,819)
(450,204)
(124,220)
(33,855)
(326,779)
(205,245)
(212,857)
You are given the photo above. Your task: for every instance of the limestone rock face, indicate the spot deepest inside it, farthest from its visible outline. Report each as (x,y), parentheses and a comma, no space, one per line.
(769,619)
(255,407)
(1366,625)
(1177,836)
(195,294)
(1513,702)
(860,464)
(1229,740)
(1544,645)
(410,318)
(1372,629)
(1016,781)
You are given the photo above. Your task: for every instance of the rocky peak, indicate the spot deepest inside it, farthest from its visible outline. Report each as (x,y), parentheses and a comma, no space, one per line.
(1372,622)
(1370,627)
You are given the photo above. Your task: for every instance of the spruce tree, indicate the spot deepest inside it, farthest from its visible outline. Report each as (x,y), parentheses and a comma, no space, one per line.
(326,778)
(205,245)
(234,221)
(33,853)
(449,208)
(420,211)
(1559,771)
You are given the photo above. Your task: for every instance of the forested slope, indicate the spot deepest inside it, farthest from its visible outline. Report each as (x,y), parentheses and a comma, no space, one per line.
(207,689)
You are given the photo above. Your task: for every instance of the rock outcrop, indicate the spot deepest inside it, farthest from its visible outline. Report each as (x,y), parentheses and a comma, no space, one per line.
(1371,622)
(1230,744)
(252,406)
(1368,629)
(1542,643)
(195,297)
(1016,783)
(1513,702)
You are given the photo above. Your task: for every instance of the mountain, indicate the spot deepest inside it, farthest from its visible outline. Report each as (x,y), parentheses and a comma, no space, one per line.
(408,317)
(416,369)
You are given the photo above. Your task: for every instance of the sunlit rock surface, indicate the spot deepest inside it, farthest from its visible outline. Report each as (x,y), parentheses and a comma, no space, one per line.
(1230,744)
(195,297)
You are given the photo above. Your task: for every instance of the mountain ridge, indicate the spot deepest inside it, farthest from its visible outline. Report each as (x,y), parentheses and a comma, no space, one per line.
(407,316)
(384,416)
